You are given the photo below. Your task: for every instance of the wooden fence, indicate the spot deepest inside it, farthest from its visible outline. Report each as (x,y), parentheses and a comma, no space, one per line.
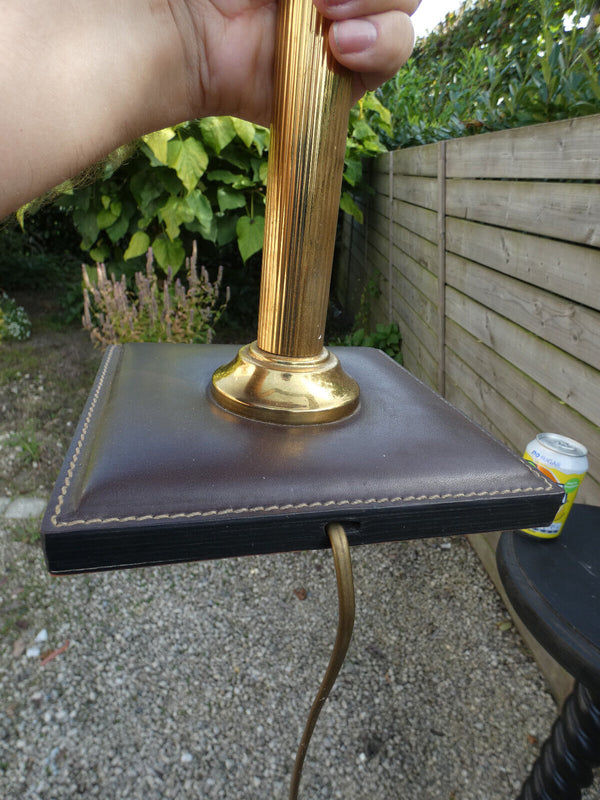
(486,251)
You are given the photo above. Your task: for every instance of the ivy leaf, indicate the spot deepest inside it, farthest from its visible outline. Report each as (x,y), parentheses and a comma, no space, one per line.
(384,116)
(229,198)
(238,156)
(145,188)
(87,225)
(200,206)
(362,130)
(158,141)
(250,234)
(168,253)
(175,213)
(217,132)
(222,176)
(352,170)
(203,214)
(226,229)
(168,178)
(118,229)
(261,139)
(109,213)
(348,205)
(138,245)
(245,130)
(189,160)
(100,253)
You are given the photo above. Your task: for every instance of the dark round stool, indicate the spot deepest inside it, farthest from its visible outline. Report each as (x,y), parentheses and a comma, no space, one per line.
(554,585)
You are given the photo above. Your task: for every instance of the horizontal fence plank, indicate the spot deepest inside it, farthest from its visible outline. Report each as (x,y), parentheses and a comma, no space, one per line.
(379,219)
(379,310)
(424,252)
(522,228)
(381,164)
(410,323)
(417,363)
(421,221)
(418,191)
(421,160)
(493,410)
(573,328)
(380,184)
(559,267)
(415,294)
(531,399)
(417,356)
(569,211)
(379,235)
(570,380)
(506,427)
(420,278)
(567,149)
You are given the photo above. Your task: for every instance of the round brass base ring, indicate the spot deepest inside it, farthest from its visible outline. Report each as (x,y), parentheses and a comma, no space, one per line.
(289,391)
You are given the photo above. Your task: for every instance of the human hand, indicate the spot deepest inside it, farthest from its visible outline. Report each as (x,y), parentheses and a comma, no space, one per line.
(81,79)
(228,48)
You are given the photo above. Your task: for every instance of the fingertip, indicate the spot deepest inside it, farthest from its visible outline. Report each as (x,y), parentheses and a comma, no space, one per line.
(353,36)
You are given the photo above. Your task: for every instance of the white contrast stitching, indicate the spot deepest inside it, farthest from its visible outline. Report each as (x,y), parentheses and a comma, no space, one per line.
(79,446)
(249,509)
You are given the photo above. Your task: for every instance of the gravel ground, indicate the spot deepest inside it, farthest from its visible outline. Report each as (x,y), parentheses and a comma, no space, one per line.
(194,681)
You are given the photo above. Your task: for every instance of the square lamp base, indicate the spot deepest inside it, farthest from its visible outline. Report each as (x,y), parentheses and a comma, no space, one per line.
(158,473)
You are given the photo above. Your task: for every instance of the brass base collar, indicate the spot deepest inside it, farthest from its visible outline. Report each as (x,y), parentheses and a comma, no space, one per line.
(289,391)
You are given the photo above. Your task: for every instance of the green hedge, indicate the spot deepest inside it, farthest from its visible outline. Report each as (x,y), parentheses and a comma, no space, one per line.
(498,64)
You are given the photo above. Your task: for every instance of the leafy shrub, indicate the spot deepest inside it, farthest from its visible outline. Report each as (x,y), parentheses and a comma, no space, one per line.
(15,325)
(496,65)
(364,140)
(384,337)
(153,313)
(204,178)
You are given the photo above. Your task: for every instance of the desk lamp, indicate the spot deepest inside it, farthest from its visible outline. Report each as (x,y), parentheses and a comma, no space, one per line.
(191,452)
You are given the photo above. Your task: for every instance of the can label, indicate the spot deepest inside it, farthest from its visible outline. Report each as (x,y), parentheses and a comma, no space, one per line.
(564,461)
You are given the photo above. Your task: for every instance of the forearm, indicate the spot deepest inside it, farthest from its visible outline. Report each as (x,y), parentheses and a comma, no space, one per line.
(78,80)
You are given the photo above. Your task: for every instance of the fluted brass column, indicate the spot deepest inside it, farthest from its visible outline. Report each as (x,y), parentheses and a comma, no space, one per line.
(287,375)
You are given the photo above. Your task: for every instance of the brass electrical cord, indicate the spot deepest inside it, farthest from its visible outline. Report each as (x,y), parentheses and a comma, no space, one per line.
(345,586)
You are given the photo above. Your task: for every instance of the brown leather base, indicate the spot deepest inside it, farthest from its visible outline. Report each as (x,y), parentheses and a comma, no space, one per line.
(158,473)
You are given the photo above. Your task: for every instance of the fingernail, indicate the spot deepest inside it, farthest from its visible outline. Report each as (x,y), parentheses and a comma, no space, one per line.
(354,35)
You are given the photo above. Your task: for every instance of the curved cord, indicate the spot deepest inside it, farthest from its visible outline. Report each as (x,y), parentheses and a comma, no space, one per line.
(345,587)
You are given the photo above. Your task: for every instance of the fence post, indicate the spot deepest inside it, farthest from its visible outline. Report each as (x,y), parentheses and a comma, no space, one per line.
(441,179)
(390,235)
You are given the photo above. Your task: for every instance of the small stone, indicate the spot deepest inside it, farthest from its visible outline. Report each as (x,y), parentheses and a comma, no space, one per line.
(18,648)
(25,508)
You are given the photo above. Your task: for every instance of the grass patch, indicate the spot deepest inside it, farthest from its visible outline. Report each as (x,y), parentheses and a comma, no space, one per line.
(26,531)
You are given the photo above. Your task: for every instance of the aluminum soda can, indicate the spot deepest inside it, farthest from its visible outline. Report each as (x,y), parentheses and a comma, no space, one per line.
(564,461)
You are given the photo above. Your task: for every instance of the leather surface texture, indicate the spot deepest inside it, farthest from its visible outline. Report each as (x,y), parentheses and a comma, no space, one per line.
(158,473)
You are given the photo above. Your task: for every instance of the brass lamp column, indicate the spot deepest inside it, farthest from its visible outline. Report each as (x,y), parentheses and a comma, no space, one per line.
(287,375)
